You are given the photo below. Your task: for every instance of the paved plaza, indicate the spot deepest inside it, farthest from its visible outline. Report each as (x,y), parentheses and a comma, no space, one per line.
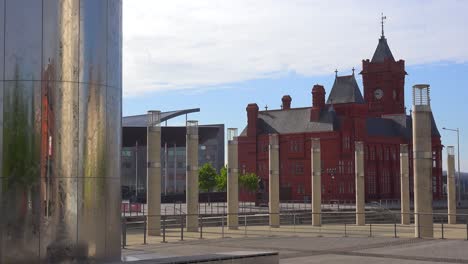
(317,249)
(307,244)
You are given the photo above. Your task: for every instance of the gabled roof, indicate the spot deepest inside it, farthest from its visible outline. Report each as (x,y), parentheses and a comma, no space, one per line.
(345,90)
(295,120)
(142,120)
(382,52)
(377,126)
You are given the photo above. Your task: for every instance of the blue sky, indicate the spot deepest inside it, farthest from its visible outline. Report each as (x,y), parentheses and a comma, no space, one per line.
(221,55)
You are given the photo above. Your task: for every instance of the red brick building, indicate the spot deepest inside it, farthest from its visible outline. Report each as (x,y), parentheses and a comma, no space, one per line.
(378,118)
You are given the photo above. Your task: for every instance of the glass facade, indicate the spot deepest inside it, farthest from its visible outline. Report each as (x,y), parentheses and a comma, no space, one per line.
(173,161)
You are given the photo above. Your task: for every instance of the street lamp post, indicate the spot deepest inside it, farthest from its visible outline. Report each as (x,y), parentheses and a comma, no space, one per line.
(458,159)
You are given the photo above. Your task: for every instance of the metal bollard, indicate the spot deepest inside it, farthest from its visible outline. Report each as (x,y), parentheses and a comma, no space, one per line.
(164,229)
(442,226)
(201,226)
(245,225)
(394,230)
(370,230)
(124,232)
(181,227)
(467,232)
(145,227)
(419,227)
(294,222)
(222,226)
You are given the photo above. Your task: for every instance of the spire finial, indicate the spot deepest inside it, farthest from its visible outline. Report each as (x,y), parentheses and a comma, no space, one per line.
(353,70)
(382,22)
(336,72)
(266,107)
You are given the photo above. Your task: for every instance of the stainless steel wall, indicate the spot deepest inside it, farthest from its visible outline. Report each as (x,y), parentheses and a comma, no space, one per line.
(60,134)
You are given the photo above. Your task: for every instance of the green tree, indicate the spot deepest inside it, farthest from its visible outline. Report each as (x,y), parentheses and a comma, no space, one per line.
(249,182)
(207,177)
(221,179)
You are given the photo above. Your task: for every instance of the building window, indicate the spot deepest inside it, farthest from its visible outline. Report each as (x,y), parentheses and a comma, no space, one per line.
(371,183)
(300,189)
(127,164)
(299,168)
(393,154)
(350,167)
(372,153)
(351,187)
(341,187)
(341,167)
(346,142)
(295,146)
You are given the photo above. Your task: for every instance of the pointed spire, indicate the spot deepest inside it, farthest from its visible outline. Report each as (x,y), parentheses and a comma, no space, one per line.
(382,22)
(383,51)
(336,72)
(353,71)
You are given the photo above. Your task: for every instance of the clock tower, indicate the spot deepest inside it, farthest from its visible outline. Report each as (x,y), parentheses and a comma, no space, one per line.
(384,81)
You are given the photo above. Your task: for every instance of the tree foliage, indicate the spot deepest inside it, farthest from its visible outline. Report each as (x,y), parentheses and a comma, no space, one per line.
(249,182)
(207,177)
(221,180)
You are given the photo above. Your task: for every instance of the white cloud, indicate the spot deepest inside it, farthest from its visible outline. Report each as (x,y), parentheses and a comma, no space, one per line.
(186,44)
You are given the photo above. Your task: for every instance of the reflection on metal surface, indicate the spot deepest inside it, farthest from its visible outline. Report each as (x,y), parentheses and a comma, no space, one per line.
(60,130)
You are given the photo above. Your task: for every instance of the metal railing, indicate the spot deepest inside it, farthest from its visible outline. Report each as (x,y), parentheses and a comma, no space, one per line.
(291,224)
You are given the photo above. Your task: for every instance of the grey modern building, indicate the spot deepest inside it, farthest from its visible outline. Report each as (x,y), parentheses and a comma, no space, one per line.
(173,156)
(60,130)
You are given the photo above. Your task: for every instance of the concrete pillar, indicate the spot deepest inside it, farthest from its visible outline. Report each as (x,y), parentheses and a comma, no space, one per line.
(404,185)
(451,192)
(274,180)
(360,187)
(153,191)
(191,185)
(232,180)
(316,169)
(422,161)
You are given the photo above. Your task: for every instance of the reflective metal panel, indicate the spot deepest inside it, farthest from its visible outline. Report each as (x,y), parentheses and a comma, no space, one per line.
(23,39)
(93,41)
(92,213)
(61,135)
(60,42)
(2,38)
(114,44)
(21,171)
(59,221)
(92,130)
(62,132)
(113,224)
(113,126)
(1,168)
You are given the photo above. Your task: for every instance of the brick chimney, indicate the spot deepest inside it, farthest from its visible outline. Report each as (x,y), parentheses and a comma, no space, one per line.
(286,102)
(252,116)
(318,102)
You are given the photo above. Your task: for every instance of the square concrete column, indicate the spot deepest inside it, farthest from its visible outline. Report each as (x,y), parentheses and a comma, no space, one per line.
(404,185)
(232,180)
(153,176)
(360,189)
(274,180)
(316,169)
(191,185)
(451,192)
(422,161)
